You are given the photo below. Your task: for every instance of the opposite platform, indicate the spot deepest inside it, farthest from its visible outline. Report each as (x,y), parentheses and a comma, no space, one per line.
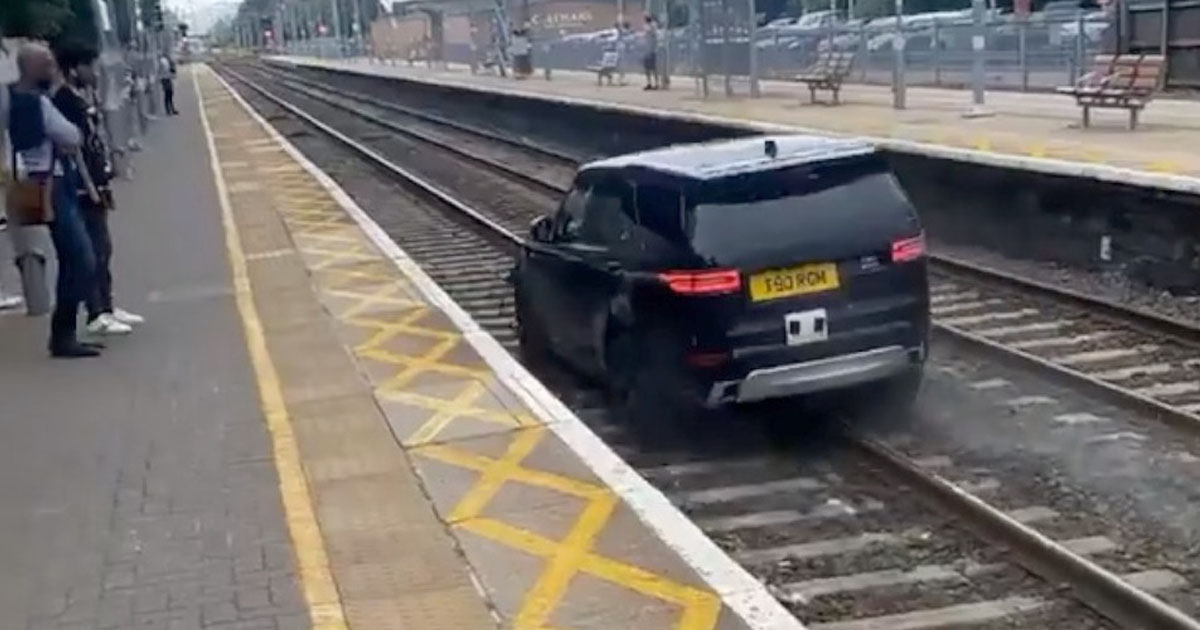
(1038,132)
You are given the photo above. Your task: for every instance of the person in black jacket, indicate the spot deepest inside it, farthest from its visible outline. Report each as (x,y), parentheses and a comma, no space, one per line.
(78,101)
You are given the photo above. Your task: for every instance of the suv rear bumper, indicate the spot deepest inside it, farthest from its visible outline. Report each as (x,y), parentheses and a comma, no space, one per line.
(808,377)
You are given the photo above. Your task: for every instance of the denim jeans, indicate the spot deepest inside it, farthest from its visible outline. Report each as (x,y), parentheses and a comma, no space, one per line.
(76,263)
(95,221)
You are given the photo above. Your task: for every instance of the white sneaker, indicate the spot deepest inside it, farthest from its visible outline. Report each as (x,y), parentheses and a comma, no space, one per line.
(9,302)
(106,325)
(125,317)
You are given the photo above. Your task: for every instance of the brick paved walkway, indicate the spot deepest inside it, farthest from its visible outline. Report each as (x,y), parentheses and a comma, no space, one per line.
(138,489)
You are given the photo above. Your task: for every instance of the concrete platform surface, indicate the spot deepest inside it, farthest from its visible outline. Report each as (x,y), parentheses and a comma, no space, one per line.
(1040,132)
(435,484)
(308,435)
(139,489)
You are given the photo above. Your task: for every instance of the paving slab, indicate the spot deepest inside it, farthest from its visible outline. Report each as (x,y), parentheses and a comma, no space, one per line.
(138,488)
(443,497)
(1035,131)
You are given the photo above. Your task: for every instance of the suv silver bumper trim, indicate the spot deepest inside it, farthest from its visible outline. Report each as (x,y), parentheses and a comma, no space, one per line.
(812,376)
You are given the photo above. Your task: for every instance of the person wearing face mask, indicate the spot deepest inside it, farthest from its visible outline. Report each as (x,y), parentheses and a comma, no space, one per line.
(45,144)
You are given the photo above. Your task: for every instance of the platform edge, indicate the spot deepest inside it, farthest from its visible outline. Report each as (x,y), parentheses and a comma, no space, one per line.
(748,598)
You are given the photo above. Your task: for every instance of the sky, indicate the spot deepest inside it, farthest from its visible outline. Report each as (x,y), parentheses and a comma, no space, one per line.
(201,14)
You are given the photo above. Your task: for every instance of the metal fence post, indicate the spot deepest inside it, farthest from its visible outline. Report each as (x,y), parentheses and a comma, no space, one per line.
(1023,53)
(753,52)
(863,52)
(725,61)
(898,86)
(937,52)
(978,52)
(1079,42)
(697,28)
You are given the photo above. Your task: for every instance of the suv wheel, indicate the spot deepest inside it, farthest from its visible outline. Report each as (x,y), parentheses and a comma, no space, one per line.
(646,382)
(531,335)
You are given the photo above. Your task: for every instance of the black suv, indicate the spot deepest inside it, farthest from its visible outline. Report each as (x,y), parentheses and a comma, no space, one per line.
(732,271)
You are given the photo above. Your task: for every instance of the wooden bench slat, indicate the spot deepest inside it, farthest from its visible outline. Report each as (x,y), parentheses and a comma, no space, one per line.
(1120,81)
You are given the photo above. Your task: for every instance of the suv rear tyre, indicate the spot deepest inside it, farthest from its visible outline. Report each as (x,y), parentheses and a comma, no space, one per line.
(647,384)
(531,335)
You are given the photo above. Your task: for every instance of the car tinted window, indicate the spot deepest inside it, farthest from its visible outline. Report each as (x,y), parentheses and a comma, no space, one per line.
(660,210)
(833,209)
(569,219)
(608,218)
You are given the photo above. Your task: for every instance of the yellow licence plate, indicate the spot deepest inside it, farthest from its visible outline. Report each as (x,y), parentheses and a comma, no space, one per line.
(781,283)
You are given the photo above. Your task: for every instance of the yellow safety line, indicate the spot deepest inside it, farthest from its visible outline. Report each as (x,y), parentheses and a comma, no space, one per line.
(320,591)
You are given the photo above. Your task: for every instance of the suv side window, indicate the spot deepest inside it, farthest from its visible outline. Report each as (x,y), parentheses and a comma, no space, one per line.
(569,219)
(660,212)
(608,221)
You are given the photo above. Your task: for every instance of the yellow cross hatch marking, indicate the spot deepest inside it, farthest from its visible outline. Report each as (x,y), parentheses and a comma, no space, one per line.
(482,463)
(492,416)
(571,555)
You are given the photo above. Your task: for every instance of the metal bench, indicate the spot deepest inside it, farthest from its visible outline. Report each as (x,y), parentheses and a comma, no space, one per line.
(1118,82)
(828,73)
(607,67)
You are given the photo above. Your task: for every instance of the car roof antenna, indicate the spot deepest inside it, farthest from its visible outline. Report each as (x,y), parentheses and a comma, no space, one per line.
(771,149)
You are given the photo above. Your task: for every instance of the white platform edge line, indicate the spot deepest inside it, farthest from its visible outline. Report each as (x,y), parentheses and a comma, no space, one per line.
(1048,166)
(741,592)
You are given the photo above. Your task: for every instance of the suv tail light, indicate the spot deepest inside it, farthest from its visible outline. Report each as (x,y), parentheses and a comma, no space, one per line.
(698,359)
(703,282)
(907,249)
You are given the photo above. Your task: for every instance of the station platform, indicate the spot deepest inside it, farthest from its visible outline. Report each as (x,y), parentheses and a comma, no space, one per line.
(308,434)
(1033,131)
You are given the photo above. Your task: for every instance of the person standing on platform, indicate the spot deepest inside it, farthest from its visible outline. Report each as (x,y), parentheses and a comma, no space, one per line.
(7,74)
(166,75)
(79,102)
(522,51)
(650,57)
(44,145)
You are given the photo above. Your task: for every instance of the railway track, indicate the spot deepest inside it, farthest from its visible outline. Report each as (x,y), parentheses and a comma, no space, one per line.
(1129,355)
(848,538)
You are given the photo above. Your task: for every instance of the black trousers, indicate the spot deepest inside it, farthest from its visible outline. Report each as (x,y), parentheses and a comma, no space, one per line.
(168,87)
(95,220)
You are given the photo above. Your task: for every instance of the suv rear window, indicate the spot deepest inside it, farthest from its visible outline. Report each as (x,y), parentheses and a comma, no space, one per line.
(839,208)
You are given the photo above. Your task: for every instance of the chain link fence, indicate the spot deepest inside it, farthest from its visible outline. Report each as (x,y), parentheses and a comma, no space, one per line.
(1039,52)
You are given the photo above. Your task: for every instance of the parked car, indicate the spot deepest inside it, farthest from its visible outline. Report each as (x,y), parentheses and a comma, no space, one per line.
(731,272)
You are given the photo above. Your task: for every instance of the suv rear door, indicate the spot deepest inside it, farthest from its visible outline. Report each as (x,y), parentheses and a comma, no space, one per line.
(838,235)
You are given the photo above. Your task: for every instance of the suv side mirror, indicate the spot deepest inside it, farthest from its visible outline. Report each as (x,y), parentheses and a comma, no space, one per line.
(542,229)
